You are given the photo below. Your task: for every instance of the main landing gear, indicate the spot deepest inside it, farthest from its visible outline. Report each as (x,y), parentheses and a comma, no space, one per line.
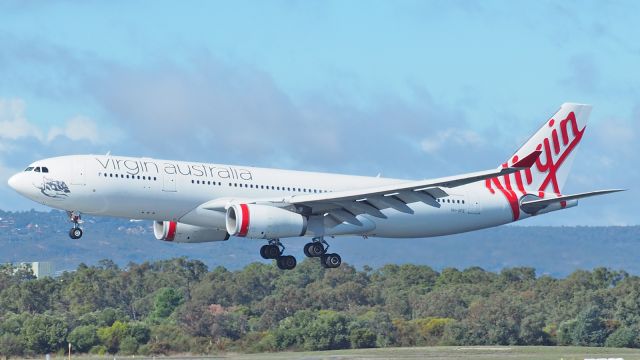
(75,232)
(274,250)
(318,248)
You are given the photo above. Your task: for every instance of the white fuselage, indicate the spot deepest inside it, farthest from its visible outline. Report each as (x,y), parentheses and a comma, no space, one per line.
(145,188)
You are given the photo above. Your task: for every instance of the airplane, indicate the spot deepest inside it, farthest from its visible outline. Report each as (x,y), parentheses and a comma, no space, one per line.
(192,202)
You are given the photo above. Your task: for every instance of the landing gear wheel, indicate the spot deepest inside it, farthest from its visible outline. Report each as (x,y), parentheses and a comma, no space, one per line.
(330,261)
(286,262)
(306,249)
(270,251)
(75,233)
(314,249)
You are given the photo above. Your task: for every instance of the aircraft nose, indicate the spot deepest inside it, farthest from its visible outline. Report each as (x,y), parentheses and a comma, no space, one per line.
(13,182)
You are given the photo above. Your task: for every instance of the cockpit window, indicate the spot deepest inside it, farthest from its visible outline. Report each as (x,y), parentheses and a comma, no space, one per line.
(29,168)
(45,169)
(37,169)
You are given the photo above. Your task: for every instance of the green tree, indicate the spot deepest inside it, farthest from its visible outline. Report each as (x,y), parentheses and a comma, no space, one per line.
(589,328)
(83,338)
(362,338)
(43,334)
(111,336)
(166,301)
(624,337)
(128,346)
(329,331)
(11,345)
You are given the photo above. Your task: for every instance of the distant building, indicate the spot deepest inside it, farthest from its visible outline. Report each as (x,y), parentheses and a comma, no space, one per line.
(40,268)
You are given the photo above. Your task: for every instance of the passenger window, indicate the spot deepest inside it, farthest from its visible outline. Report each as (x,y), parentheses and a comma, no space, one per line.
(127,176)
(45,170)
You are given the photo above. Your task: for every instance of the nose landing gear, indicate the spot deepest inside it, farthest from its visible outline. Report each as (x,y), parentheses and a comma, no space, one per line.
(75,232)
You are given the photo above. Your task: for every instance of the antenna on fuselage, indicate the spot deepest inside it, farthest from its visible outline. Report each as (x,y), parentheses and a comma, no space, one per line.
(108,153)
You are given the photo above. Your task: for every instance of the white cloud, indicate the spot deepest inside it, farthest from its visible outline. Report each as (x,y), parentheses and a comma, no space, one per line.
(13,123)
(460,137)
(77,128)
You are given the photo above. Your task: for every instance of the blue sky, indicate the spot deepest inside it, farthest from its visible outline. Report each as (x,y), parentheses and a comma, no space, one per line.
(407,89)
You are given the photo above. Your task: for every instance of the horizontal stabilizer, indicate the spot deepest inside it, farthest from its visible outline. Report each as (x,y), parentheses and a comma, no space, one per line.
(533,206)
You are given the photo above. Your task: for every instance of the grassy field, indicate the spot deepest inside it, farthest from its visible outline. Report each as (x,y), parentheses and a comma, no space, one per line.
(456,352)
(437,352)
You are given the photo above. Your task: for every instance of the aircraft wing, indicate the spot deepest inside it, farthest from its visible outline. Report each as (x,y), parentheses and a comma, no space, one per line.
(345,205)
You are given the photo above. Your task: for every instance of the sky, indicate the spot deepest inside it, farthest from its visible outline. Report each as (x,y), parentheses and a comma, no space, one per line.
(406,89)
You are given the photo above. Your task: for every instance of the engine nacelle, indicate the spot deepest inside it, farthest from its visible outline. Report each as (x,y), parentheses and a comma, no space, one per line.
(185,233)
(264,222)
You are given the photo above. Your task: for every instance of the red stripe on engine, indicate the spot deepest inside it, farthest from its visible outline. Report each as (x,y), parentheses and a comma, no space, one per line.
(171,232)
(244,225)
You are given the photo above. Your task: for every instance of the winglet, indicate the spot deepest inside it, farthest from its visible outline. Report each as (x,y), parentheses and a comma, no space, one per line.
(527,161)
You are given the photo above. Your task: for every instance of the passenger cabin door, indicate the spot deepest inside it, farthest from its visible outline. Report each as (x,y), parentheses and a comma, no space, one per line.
(473,204)
(78,170)
(169,182)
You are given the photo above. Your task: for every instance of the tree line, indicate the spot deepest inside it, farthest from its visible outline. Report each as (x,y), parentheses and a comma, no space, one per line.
(179,305)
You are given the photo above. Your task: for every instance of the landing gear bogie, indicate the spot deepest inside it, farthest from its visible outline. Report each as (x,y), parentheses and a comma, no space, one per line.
(274,250)
(318,248)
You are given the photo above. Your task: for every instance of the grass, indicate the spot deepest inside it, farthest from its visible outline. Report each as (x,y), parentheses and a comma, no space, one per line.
(455,352)
(435,352)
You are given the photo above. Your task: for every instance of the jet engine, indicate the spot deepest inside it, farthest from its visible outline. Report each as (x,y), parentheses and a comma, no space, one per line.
(185,233)
(264,222)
